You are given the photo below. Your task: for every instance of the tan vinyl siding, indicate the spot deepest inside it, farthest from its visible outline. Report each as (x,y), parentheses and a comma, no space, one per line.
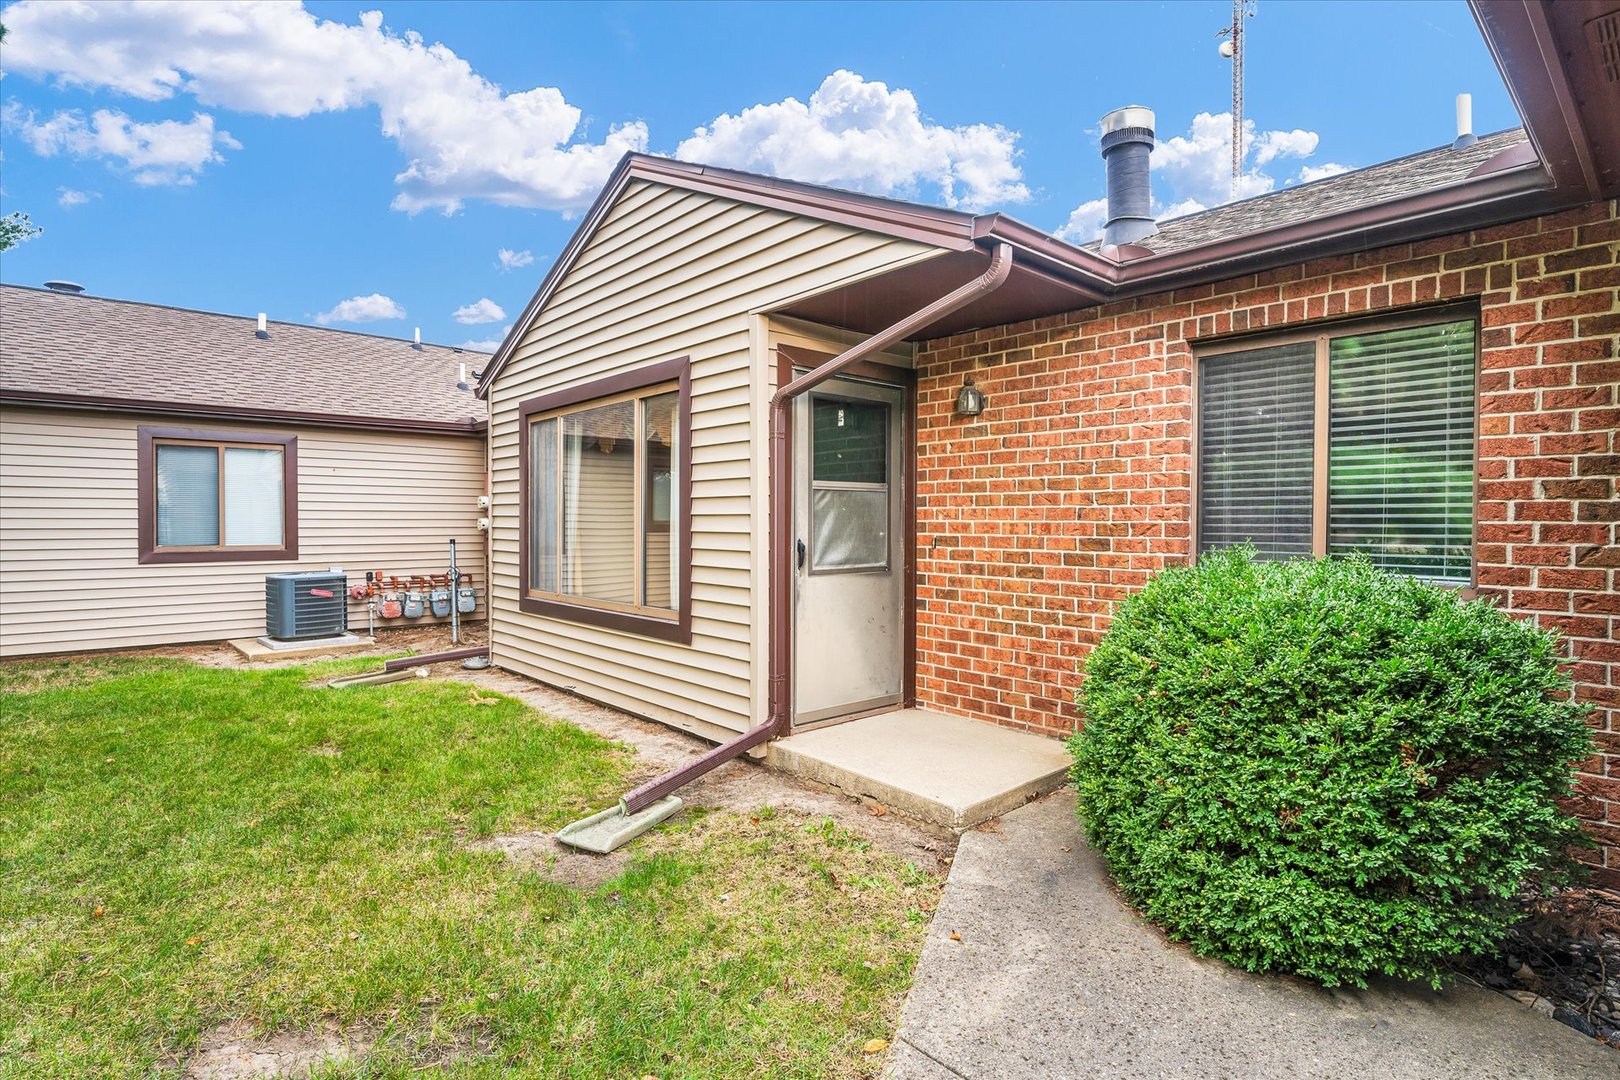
(673,273)
(69,575)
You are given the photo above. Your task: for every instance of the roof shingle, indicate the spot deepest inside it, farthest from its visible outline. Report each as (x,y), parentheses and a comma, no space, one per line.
(61,345)
(1335,194)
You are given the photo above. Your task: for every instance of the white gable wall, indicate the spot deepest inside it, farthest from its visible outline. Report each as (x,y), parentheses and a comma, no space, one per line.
(673,273)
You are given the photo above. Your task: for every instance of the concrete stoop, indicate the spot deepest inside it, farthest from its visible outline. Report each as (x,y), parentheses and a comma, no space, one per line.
(940,769)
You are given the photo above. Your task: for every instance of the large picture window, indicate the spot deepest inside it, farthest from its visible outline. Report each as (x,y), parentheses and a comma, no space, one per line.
(605,534)
(1355,439)
(216,496)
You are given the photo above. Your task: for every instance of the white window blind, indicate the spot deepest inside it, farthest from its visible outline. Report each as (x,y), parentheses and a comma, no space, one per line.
(1255,449)
(253,497)
(1401,457)
(187,496)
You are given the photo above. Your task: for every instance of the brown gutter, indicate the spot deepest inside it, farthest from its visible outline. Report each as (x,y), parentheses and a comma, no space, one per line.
(778,718)
(403,662)
(55,400)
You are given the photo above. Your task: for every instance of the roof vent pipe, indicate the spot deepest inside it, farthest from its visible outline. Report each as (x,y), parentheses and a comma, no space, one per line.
(1465,122)
(1127,141)
(417,342)
(263,332)
(71,287)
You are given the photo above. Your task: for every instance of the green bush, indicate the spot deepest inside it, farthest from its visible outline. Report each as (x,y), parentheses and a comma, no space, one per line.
(1322,768)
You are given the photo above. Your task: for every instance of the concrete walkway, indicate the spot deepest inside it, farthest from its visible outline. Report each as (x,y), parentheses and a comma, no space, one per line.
(1055,977)
(944,770)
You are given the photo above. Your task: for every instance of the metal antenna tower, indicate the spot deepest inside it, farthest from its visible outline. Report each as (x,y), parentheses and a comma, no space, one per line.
(1232,49)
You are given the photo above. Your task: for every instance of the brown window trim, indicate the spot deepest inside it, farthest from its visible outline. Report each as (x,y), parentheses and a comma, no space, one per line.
(147,439)
(1321,332)
(677,627)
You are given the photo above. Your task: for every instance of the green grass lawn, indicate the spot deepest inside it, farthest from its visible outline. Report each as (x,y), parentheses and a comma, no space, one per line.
(181,846)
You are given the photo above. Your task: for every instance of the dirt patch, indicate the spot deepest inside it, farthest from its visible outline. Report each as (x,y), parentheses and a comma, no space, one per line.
(232,1052)
(742,785)
(1562,958)
(417,640)
(540,851)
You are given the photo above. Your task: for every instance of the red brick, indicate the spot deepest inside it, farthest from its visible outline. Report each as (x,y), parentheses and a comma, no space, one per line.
(1078,488)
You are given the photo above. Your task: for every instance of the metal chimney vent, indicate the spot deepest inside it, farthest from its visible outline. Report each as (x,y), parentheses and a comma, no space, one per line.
(1127,142)
(1603,35)
(71,287)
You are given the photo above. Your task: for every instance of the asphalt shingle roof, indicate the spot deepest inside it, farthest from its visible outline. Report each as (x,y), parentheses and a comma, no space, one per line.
(68,345)
(1335,194)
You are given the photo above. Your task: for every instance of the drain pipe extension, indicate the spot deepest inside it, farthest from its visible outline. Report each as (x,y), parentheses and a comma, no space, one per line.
(778,721)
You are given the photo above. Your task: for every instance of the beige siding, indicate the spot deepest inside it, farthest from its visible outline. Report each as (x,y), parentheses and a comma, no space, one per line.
(69,575)
(674,273)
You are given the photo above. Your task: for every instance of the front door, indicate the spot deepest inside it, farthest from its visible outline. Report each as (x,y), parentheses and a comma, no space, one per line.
(849,482)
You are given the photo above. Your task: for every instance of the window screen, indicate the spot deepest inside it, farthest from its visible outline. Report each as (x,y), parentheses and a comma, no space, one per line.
(543,505)
(1401,458)
(603,500)
(252,497)
(849,489)
(1255,450)
(187,496)
(599,503)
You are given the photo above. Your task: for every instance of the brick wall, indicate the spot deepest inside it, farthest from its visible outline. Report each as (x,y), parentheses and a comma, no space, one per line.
(1077,485)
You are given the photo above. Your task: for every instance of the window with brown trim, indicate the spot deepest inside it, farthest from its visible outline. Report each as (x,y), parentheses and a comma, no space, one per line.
(605,536)
(216,496)
(1354,438)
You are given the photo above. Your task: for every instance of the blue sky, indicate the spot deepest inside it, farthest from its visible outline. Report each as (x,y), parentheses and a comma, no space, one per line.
(318,164)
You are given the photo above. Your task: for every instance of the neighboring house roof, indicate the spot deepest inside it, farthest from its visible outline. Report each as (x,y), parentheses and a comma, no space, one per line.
(1332,195)
(65,349)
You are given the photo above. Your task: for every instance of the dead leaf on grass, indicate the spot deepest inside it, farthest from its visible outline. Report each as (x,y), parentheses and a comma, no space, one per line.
(875,1046)
(98,912)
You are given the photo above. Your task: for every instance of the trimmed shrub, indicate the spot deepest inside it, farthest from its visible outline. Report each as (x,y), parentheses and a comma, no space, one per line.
(1322,768)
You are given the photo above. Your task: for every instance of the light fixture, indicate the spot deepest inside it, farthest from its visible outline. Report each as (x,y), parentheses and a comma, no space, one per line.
(970,400)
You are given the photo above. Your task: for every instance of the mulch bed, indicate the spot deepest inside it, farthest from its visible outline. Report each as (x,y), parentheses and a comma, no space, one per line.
(1562,958)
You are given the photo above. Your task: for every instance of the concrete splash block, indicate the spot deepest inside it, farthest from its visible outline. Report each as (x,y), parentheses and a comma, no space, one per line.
(941,769)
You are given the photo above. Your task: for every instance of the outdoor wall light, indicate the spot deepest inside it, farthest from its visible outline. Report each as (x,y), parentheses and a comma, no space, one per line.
(970,400)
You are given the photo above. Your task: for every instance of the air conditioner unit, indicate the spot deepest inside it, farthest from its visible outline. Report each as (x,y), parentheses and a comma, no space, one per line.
(306,605)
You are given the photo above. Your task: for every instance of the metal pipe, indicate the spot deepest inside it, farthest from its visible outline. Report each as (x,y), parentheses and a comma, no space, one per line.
(435,658)
(777,717)
(455,602)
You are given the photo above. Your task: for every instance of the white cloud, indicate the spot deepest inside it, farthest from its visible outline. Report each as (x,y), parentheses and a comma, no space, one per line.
(463,137)
(1307,173)
(484,310)
(165,152)
(67,198)
(1270,145)
(488,345)
(1085,222)
(359,309)
(1193,171)
(859,133)
(507,259)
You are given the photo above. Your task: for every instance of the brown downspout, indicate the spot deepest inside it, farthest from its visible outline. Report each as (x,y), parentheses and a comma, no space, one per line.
(778,719)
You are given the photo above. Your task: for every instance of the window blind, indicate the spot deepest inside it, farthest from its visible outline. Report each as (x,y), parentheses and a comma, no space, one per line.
(187,496)
(1255,449)
(252,497)
(1401,449)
